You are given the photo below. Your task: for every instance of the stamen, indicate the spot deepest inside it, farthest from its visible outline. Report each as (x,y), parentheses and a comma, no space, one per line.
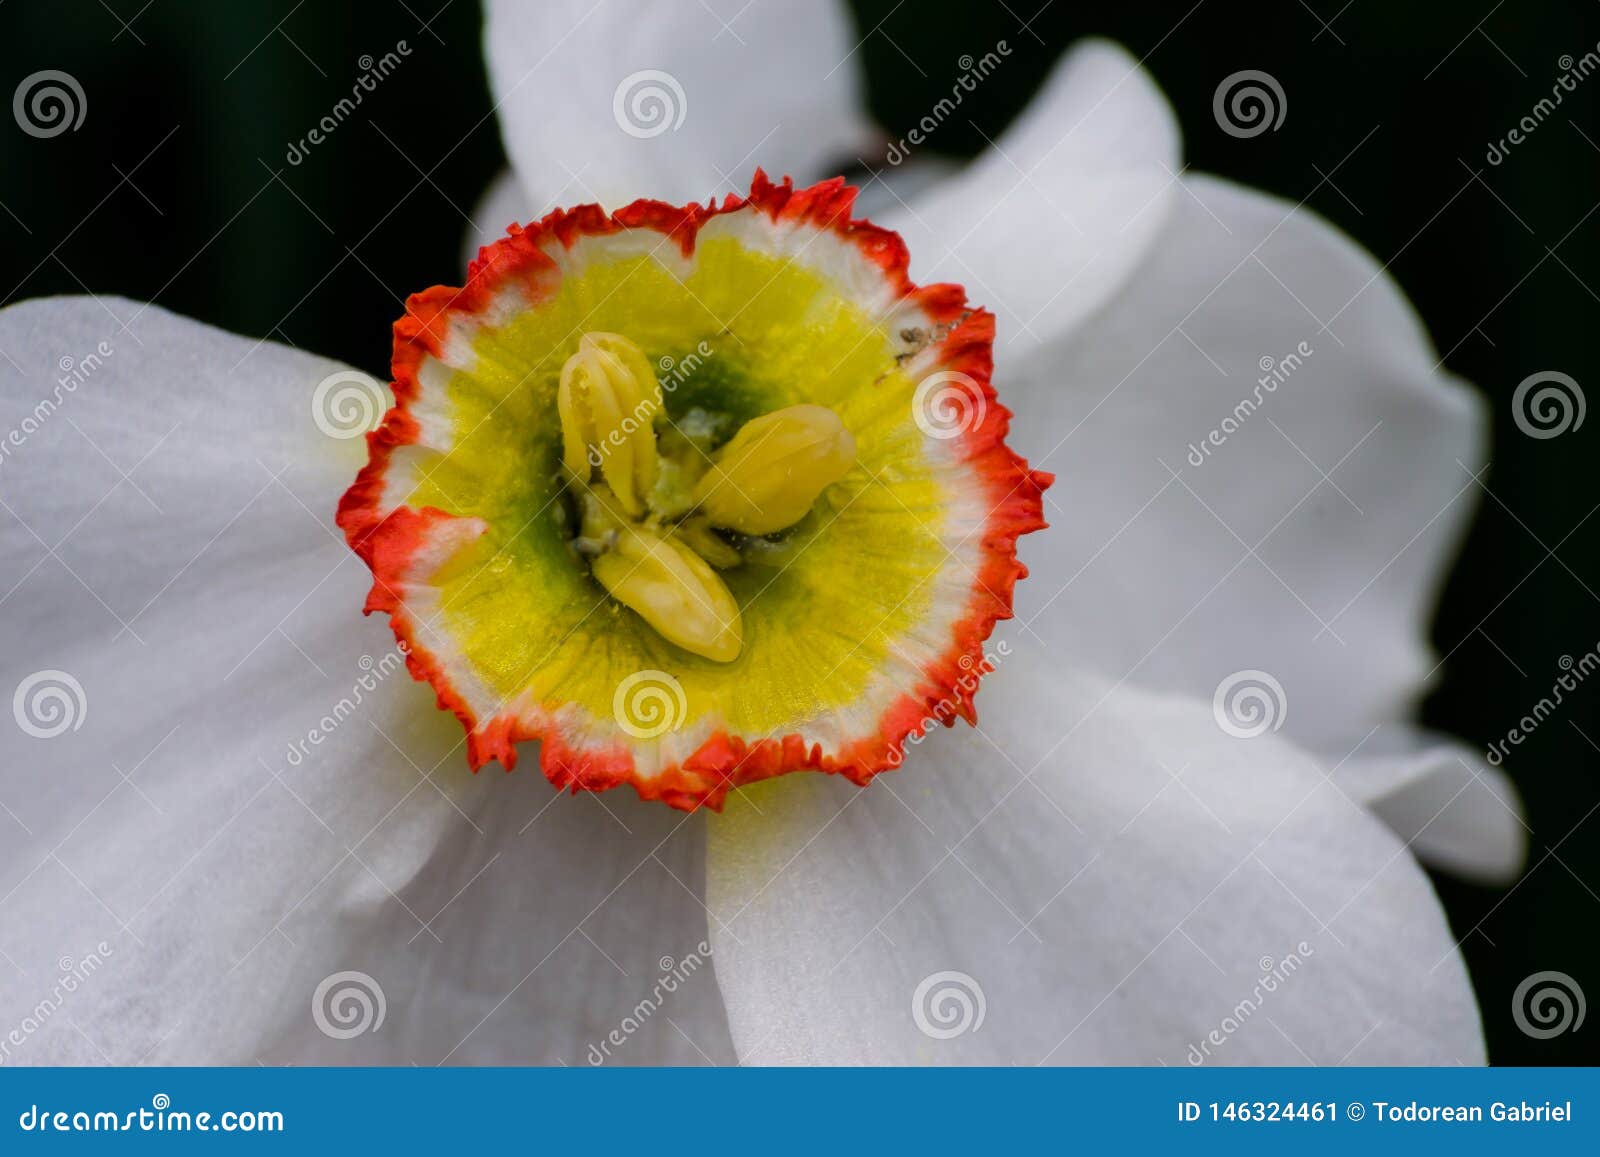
(764,480)
(660,577)
(771,472)
(705,542)
(608,400)
(673,590)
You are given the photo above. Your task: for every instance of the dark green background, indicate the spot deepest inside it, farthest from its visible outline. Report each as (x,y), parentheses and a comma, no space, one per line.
(1504,265)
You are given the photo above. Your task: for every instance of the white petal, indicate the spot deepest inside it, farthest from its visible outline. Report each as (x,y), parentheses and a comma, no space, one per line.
(187,841)
(1114,872)
(627,98)
(1442,798)
(1310,539)
(1043,227)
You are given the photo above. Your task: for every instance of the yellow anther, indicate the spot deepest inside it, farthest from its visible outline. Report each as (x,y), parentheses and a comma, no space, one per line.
(772,471)
(708,544)
(673,590)
(608,400)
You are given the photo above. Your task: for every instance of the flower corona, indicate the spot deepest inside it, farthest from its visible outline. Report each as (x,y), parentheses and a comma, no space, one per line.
(686,441)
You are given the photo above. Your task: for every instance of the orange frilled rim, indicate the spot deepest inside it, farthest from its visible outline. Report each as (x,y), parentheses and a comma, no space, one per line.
(397,543)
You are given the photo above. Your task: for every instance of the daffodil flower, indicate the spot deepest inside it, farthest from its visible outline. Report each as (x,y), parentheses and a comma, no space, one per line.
(777,547)
(697,493)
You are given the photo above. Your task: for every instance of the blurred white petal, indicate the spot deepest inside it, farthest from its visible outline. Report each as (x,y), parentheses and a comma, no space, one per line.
(623,99)
(1454,809)
(1044,227)
(1259,468)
